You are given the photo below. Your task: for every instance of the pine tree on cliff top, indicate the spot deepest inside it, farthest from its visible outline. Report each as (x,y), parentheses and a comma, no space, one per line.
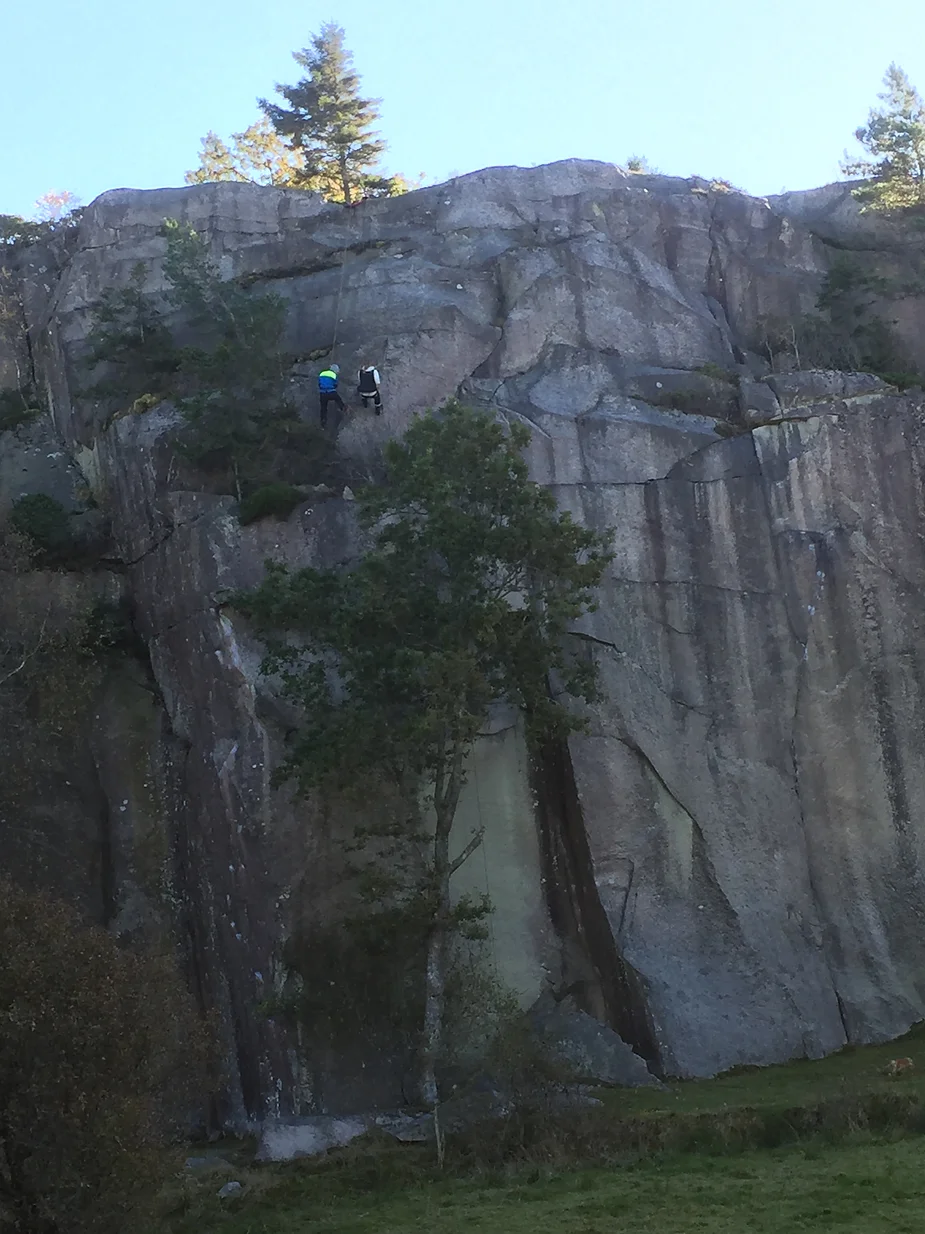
(328,123)
(894,137)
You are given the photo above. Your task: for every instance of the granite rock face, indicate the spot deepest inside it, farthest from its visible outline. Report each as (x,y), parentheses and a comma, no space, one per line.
(729,867)
(585,1050)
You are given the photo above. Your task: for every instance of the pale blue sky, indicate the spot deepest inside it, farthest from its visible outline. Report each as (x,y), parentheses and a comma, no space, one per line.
(98,94)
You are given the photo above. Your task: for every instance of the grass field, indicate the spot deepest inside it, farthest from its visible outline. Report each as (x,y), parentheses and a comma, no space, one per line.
(831,1145)
(855,1188)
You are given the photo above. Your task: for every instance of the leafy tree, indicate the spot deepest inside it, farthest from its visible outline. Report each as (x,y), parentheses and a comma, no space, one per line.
(100,1057)
(463,599)
(16,230)
(53,211)
(231,386)
(894,138)
(257,156)
(53,207)
(233,381)
(328,123)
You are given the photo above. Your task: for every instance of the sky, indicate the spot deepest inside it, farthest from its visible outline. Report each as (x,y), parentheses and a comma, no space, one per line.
(104,94)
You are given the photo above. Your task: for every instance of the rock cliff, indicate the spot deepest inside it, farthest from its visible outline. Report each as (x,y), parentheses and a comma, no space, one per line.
(729,867)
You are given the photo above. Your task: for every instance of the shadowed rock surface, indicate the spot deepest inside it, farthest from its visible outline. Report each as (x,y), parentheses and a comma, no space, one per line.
(728,868)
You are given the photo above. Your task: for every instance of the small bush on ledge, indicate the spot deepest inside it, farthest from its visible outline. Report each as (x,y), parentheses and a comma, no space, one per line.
(17,406)
(276,500)
(44,521)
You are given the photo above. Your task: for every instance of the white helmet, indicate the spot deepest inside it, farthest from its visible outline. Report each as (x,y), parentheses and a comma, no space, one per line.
(335,368)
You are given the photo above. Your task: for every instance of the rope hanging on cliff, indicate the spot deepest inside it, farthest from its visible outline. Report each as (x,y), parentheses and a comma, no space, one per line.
(351,238)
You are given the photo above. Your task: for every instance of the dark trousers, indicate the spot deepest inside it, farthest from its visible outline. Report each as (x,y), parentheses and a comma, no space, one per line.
(329,396)
(376,397)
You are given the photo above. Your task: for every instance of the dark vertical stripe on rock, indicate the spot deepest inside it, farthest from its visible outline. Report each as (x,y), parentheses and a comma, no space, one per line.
(575,909)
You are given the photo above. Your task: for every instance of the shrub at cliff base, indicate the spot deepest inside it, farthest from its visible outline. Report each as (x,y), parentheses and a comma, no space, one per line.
(101,1055)
(45,521)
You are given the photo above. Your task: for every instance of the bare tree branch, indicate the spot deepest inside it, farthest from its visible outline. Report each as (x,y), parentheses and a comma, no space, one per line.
(28,655)
(467,851)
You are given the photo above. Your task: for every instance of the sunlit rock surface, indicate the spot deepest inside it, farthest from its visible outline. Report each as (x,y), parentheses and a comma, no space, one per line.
(728,868)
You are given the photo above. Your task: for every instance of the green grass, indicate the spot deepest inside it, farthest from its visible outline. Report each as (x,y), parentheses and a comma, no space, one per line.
(855,1189)
(851,1072)
(830,1145)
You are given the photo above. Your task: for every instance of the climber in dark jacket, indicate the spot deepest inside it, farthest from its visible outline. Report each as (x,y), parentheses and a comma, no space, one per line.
(368,387)
(327,391)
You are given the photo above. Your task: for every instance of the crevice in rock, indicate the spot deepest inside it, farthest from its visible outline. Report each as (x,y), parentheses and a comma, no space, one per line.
(108,890)
(589,638)
(30,351)
(716,280)
(193,615)
(330,261)
(842,1014)
(152,548)
(777,541)
(707,869)
(606,986)
(668,477)
(810,870)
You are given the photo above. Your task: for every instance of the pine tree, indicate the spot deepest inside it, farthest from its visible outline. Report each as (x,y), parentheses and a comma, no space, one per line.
(328,123)
(894,137)
(257,156)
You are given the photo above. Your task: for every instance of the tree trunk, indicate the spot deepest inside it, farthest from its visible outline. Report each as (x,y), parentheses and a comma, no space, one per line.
(446,799)
(345,179)
(434,998)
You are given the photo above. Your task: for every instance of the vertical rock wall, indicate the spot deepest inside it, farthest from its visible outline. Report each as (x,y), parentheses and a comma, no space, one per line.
(728,867)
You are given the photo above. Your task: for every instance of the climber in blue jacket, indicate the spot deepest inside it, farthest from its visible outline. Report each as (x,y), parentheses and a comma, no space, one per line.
(327,392)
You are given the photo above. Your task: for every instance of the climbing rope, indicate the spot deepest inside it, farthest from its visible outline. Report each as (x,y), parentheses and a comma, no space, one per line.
(352,237)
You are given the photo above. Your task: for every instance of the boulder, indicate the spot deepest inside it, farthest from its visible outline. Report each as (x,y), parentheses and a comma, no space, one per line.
(758,402)
(588,1051)
(809,388)
(308,1137)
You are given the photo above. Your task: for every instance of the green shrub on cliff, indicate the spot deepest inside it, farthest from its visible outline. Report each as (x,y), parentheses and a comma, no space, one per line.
(230,380)
(847,331)
(276,500)
(18,405)
(100,1057)
(130,338)
(46,524)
